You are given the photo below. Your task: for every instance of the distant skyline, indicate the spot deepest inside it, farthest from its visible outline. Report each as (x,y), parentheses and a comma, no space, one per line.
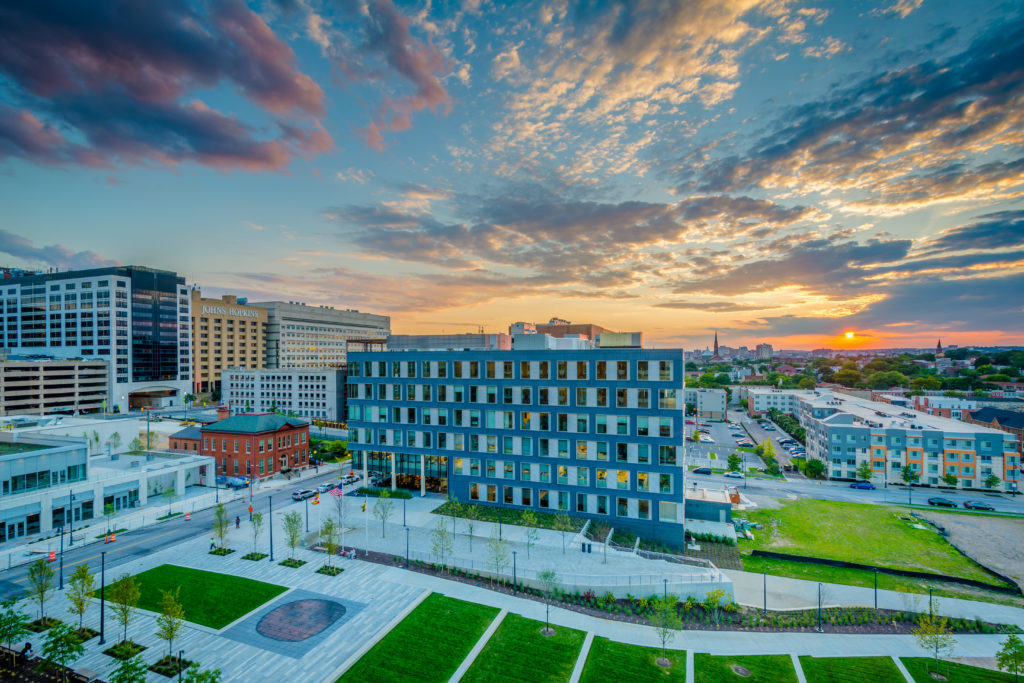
(783,172)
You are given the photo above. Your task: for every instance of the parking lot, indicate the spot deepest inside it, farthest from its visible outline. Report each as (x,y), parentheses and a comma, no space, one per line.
(722,444)
(775,435)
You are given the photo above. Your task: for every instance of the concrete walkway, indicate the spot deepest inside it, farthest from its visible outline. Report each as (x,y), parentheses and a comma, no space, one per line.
(477,648)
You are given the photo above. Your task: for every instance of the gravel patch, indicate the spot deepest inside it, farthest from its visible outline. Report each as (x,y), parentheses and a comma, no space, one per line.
(991,541)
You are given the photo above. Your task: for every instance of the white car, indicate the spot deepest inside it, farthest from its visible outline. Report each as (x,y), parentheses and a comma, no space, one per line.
(734,475)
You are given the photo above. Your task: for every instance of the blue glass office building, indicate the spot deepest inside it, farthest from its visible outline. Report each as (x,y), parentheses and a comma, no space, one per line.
(595,433)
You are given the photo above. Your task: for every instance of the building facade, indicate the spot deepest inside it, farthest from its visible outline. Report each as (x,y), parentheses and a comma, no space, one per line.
(709,404)
(301,336)
(46,385)
(135,318)
(225,333)
(314,393)
(469,341)
(250,445)
(761,399)
(594,433)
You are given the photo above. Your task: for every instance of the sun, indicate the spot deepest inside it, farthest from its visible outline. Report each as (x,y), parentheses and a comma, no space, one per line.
(850,335)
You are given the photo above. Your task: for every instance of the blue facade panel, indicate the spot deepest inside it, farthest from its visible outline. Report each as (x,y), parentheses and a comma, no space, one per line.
(595,433)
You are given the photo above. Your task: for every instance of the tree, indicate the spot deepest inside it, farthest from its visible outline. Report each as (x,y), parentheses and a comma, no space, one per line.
(441,541)
(329,533)
(665,620)
(40,583)
(82,587)
(549,582)
(194,675)
(221,523)
(456,509)
(382,509)
(933,633)
(61,647)
(470,515)
(865,471)
(131,670)
(108,512)
(13,624)
(950,479)
(562,525)
(992,481)
(1011,657)
(497,553)
(926,383)
(257,528)
(908,475)
(735,462)
(115,441)
(848,378)
(170,619)
(807,383)
(529,520)
(292,530)
(169,495)
(124,601)
(814,468)
(713,604)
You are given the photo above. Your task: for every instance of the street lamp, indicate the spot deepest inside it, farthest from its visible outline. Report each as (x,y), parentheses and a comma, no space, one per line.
(819,608)
(71,518)
(62,557)
(103,586)
(306,501)
(181,654)
(403,511)
(270,523)
(876,589)
(514,573)
(406,547)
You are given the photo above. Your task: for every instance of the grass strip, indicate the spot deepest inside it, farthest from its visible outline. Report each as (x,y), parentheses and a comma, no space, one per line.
(920,668)
(609,659)
(519,653)
(762,669)
(850,670)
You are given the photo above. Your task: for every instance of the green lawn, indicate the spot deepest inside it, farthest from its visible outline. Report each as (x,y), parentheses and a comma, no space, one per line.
(954,673)
(608,660)
(850,670)
(429,644)
(854,532)
(209,598)
(763,669)
(517,652)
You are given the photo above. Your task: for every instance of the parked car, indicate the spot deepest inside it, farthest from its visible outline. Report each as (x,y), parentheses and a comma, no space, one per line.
(702,470)
(351,478)
(734,475)
(303,494)
(326,486)
(942,502)
(977,505)
(866,485)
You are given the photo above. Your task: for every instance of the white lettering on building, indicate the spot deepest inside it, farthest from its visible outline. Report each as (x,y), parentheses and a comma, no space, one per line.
(238,312)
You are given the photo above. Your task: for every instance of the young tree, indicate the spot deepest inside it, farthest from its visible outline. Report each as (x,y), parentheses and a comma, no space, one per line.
(814,468)
(293,530)
(194,675)
(713,604)
(61,647)
(1011,657)
(441,541)
(13,624)
(257,528)
(135,444)
(329,532)
(221,523)
(529,520)
(735,462)
(992,481)
(665,620)
(382,509)
(908,475)
(549,581)
(170,619)
(108,512)
(950,479)
(470,515)
(456,509)
(124,600)
(169,495)
(131,670)
(40,583)
(933,633)
(864,471)
(497,553)
(82,587)
(562,525)
(115,441)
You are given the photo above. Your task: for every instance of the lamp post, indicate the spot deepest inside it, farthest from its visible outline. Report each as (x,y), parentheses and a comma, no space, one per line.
(876,589)
(819,608)
(270,523)
(181,655)
(71,518)
(514,573)
(665,594)
(403,511)
(930,612)
(406,547)
(764,579)
(147,429)
(62,557)
(306,501)
(103,586)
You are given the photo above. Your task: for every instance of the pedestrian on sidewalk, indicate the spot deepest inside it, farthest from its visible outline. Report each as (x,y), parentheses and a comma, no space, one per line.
(212,544)
(238,521)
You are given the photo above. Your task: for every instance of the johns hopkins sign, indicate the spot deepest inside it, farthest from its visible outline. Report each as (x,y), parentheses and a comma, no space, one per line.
(224,310)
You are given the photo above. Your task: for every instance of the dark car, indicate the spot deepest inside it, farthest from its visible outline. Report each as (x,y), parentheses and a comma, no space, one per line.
(977,505)
(942,502)
(303,494)
(867,485)
(702,470)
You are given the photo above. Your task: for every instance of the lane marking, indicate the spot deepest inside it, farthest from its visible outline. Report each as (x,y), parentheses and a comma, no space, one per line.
(93,557)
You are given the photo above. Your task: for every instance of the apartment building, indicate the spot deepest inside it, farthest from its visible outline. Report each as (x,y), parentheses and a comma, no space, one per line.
(709,404)
(315,393)
(596,433)
(301,336)
(761,399)
(470,341)
(136,319)
(843,431)
(43,385)
(226,333)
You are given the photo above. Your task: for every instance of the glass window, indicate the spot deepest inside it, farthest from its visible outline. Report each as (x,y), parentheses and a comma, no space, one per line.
(623,479)
(641,370)
(583,476)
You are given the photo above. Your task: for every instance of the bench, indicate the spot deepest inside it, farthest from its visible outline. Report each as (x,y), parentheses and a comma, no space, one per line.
(83,675)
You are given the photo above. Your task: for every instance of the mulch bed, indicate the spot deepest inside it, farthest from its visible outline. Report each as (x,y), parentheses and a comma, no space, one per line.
(169,666)
(44,624)
(293,563)
(124,650)
(222,551)
(834,620)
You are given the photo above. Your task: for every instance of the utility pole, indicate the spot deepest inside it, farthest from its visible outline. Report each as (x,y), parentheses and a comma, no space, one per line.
(62,557)
(270,523)
(103,587)
(71,518)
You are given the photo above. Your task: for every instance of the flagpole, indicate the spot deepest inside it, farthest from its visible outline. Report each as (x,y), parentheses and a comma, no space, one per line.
(366,525)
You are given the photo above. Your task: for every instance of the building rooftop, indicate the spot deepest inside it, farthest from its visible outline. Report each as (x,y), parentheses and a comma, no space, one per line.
(193,432)
(254,424)
(1007,418)
(887,416)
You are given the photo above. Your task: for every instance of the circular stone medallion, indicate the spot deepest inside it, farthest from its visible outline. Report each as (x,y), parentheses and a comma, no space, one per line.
(300,619)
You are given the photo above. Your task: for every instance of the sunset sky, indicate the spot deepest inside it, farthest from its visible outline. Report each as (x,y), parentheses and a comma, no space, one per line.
(778,171)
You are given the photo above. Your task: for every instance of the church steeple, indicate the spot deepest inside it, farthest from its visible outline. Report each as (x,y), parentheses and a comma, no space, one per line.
(938,349)
(716,342)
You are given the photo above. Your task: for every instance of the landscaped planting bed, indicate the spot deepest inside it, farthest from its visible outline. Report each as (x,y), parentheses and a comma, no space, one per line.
(751,669)
(519,653)
(850,670)
(608,660)
(406,654)
(209,598)
(490,513)
(920,669)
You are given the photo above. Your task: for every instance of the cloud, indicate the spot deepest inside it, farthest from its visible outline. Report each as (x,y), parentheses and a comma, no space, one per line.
(830,48)
(115,81)
(712,306)
(55,255)
(902,8)
(355,175)
(1001,230)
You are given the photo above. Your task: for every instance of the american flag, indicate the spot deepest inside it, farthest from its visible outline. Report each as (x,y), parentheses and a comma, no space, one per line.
(336,492)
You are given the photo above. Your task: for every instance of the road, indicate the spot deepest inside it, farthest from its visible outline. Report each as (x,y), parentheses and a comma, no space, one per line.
(139,543)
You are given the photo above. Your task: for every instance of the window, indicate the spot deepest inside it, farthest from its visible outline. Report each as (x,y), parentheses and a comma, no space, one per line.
(526,496)
(622,370)
(643,481)
(583,476)
(602,479)
(664,370)
(666,455)
(602,505)
(665,483)
(641,370)
(581,369)
(622,507)
(623,479)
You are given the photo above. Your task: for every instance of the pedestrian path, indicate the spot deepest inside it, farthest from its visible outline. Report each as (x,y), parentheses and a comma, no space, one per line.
(581,660)
(478,648)
(800,678)
(903,669)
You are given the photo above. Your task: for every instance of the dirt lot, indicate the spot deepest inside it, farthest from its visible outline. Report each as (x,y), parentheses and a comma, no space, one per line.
(992,541)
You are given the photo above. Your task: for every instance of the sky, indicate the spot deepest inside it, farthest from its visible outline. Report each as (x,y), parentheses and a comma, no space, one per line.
(781,172)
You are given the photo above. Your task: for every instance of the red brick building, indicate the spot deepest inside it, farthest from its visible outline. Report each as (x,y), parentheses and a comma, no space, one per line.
(249,445)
